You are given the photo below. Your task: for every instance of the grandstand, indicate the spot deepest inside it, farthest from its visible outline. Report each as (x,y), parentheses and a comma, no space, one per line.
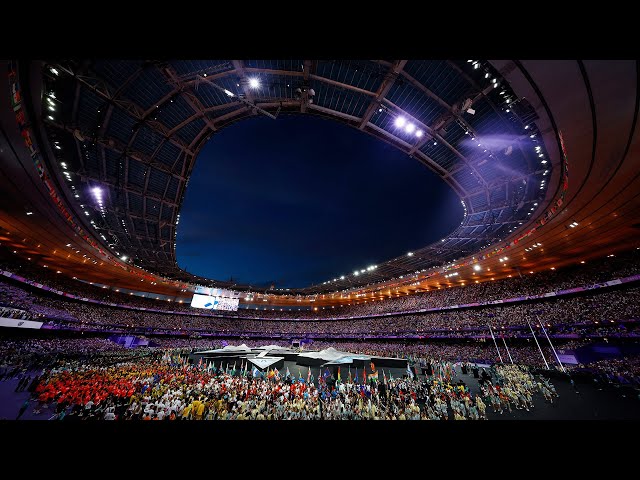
(534,294)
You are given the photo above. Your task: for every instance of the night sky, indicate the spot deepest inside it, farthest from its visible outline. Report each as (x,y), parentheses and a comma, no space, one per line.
(300,200)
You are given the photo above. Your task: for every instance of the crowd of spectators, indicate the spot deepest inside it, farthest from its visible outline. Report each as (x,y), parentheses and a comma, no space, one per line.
(520,284)
(599,313)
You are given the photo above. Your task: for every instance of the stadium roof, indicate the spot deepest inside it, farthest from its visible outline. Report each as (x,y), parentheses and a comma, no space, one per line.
(120,138)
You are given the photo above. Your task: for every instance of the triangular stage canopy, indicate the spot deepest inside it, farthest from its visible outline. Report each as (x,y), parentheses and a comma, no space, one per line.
(263,363)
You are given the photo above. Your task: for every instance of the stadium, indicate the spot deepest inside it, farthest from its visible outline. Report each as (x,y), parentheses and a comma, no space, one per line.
(527,307)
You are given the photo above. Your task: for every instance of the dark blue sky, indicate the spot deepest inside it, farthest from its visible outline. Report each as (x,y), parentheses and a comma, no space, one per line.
(301,200)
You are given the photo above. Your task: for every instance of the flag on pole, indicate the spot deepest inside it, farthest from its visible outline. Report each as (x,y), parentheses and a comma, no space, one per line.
(256,372)
(349,377)
(384,377)
(409,371)
(339,378)
(288,373)
(356,378)
(309,375)
(364,375)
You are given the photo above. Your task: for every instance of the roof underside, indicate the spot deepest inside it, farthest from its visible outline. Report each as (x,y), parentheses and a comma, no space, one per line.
(134,128)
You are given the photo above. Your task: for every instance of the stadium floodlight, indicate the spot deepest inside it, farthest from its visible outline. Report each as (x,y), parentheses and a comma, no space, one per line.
(419,133)
(342,277)
(400,121)
(231,94)
(356,273)
(123,257)
(409,128)
(477,267)
(410,254)
(254,83)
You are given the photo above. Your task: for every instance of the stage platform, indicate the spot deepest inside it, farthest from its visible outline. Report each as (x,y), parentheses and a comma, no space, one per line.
(305,358)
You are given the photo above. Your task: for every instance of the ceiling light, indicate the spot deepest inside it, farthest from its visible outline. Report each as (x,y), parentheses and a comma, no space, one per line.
(400,121)
(410,128)
(477,267)
(29,213)
(254,83)
(419,133)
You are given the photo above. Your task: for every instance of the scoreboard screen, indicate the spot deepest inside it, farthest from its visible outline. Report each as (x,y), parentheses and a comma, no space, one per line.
(214,302)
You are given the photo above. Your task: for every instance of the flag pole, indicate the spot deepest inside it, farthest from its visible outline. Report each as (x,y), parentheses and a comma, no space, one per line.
(539,347)
(552,347)
(505,346)
(496,344)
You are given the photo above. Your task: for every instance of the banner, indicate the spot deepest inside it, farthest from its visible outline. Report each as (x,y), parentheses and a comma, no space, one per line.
(15,323)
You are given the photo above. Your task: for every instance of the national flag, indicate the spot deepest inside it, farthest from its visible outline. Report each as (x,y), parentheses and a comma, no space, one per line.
(384,377)
(200,362)
(373,376)
(349,377)
(255,372)
(339,378)
(309,375)
(355,380)
(364,375)
(288,373)
(326,373)
(409,371)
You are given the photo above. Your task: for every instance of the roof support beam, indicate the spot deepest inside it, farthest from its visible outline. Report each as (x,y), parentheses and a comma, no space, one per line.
(238,65)
(100,87)
(384,88)
(117,146)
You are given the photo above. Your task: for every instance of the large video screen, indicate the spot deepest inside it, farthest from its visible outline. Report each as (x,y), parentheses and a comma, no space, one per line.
(214,303)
